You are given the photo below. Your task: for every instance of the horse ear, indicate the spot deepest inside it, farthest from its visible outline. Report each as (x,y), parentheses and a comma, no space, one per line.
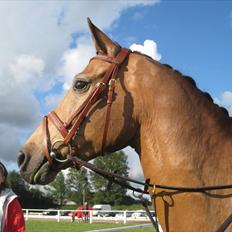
(103,43)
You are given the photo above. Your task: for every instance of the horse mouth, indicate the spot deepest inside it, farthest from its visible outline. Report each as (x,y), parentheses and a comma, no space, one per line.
(39,171)
(43,175)
(46,173)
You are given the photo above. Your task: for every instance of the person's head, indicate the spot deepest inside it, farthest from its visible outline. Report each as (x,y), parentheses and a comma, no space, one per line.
(3,176)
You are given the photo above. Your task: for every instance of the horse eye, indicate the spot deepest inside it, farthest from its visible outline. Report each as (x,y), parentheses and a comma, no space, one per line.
(81,85)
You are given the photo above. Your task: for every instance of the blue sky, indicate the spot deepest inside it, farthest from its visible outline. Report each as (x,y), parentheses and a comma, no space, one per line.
(194,37)
(43,44)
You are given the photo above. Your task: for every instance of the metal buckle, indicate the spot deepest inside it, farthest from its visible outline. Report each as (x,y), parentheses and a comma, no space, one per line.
(53,154)
(100,84)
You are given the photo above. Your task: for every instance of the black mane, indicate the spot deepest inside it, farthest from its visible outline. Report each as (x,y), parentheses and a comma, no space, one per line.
(192,82)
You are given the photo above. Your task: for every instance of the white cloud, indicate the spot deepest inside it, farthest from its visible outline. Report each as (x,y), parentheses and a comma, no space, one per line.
(74,60)
(27,70)
(134,163)
(44,29)
(9,142)
(52,100)
(149,48)
(216,100)
(18,106)
(225,100)
(34,35)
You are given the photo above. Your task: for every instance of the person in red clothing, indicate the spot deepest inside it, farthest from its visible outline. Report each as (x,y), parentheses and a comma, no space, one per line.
(11,214)
(78,213)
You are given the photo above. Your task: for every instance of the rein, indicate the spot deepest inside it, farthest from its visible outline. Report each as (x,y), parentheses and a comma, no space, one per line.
(121,180)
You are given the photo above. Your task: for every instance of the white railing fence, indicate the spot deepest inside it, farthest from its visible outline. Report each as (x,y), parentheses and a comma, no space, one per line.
(89,216)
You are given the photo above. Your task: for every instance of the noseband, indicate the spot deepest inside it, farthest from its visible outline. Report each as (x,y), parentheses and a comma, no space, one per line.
(70,128)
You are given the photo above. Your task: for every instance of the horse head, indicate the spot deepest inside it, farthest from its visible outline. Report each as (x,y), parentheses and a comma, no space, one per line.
(80,124)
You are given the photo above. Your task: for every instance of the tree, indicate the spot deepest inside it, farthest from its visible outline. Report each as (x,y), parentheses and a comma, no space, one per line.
(78,186)
(57,189)
(16,182)
(29,197)
(104,191)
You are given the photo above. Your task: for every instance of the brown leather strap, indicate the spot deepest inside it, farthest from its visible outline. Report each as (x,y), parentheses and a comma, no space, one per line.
(106,58)
(91,99)
(116,60)
(78,110)
(119,58)
(107,120)
(82,114)
(46,139)
(59,124)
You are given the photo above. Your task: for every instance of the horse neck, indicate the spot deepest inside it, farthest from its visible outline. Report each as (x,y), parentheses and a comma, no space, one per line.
(182,133)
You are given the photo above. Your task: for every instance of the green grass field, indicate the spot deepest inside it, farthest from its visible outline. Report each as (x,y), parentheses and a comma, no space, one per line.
(50,226)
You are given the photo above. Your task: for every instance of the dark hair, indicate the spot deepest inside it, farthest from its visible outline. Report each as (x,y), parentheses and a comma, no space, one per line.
(4,172)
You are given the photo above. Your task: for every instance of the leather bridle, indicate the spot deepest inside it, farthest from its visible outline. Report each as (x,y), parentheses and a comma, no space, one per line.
(70,128)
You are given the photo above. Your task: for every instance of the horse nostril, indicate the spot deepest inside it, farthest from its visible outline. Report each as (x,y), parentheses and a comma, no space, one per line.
(21,160)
